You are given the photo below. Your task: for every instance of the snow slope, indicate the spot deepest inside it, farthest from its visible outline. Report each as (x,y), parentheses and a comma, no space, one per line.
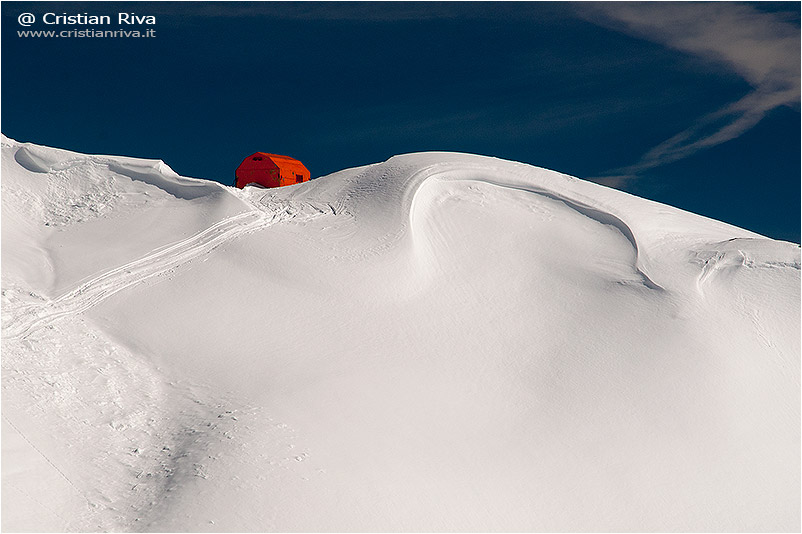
(437,342)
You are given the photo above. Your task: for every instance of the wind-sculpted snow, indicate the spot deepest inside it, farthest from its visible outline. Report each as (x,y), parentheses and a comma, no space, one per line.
(394,186)
(469,174)
(33,159)
(164,178)
(437,342)
(41,160)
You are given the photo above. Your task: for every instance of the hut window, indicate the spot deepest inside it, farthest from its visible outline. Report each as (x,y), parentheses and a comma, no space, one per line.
(298,178)
(258,158)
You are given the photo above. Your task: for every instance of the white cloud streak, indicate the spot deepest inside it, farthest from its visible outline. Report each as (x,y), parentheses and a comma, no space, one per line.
(762,48)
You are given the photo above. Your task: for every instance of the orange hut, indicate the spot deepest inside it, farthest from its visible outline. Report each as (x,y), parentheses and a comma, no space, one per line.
(270,170)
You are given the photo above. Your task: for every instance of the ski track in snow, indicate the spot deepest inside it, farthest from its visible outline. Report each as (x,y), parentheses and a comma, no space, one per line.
(162,260)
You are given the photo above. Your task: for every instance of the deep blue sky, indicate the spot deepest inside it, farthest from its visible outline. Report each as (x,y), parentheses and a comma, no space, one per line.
(584,89)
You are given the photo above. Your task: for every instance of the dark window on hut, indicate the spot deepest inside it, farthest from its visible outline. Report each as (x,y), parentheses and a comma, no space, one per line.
(258,158)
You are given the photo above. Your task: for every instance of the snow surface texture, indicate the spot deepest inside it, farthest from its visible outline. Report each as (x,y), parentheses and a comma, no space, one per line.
(437,342)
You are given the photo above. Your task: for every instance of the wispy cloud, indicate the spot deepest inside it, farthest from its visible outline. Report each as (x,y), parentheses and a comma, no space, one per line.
(760,47)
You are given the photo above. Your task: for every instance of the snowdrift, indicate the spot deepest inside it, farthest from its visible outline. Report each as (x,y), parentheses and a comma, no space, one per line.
(437,342)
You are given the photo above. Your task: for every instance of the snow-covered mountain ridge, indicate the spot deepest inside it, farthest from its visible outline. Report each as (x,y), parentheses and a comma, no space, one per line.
(437,342)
